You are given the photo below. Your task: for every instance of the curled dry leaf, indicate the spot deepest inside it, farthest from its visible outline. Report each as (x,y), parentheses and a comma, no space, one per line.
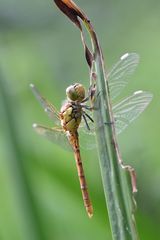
(70,9)
(73,12)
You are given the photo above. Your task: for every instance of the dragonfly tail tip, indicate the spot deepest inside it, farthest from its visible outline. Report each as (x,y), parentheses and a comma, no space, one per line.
(90,215)
(90,211)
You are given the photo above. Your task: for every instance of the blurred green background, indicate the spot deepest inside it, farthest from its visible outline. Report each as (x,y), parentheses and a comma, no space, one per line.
(39,189)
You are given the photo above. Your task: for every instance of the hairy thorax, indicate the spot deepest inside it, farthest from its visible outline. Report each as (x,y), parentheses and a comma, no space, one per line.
(70,115)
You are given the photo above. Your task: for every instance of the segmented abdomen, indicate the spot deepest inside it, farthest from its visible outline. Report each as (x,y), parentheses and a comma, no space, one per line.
(83,185)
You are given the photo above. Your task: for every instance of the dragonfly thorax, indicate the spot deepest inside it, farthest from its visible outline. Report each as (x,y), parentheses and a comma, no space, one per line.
(71,115)
(75,92)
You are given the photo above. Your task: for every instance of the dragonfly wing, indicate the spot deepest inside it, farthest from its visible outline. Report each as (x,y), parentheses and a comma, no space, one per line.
(118,77)
(130,108)
(47,106)
(87,138)
(55,135)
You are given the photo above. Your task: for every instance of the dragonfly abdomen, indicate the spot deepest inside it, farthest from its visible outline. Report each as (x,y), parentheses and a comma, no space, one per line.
(83,185)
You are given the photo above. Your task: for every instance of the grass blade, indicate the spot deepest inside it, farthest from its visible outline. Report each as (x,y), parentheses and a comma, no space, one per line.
(18,209)
(117,192)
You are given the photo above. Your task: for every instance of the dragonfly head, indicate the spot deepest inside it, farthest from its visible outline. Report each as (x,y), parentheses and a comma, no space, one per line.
(75,92)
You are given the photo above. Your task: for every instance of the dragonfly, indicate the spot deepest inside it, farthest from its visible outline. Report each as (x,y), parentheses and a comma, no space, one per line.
(73,115)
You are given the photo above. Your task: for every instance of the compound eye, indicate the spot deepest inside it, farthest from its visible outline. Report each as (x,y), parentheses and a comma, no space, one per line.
(75,92)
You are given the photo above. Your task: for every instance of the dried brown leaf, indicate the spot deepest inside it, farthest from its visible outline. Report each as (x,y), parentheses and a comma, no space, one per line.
(73,12)
(69,8)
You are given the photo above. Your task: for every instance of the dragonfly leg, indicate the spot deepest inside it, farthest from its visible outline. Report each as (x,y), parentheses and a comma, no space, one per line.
(85,99)
(95,100)
(90,94)
(93,105)
(85,116)
(85,120)
(87,107)
(88,116)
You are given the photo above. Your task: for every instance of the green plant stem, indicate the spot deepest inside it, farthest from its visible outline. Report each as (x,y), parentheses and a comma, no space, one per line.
(117,192)
(118,196)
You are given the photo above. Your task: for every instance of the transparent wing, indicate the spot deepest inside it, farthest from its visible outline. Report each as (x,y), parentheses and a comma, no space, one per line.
(55,135)
(124,113)
(47,106)
(87,138)
(130,108)
(118,77)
